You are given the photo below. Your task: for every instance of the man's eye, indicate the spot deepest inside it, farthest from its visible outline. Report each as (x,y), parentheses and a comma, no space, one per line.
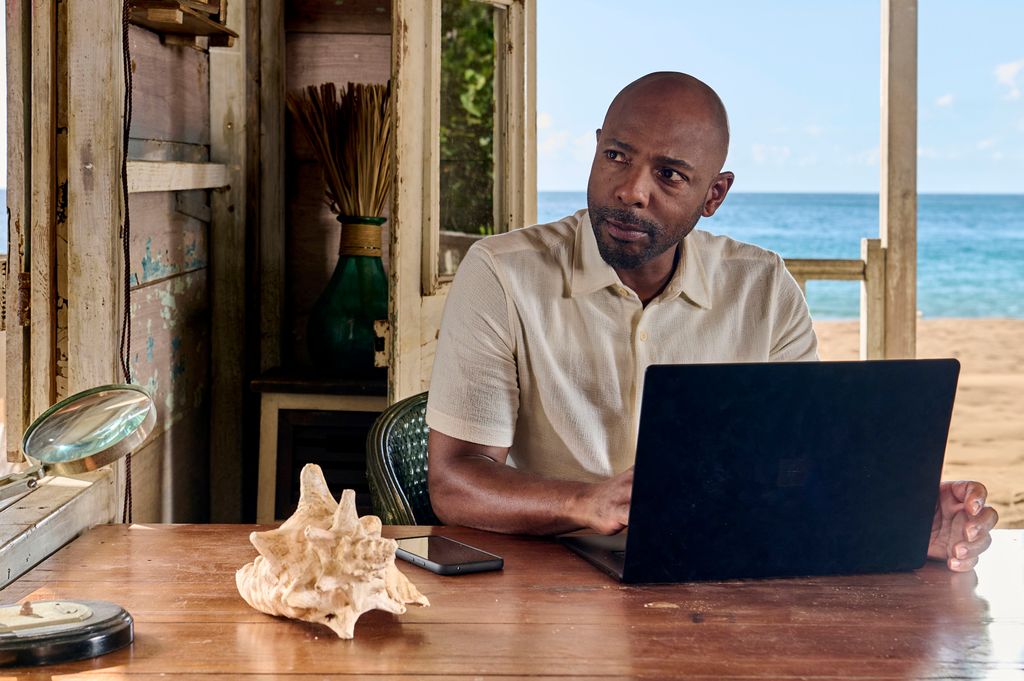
(613,155)
(671,175)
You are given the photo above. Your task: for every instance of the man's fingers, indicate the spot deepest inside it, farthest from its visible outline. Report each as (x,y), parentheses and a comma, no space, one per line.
(981,524)
(974,497)
(972,549)
(957,532)
(958,565)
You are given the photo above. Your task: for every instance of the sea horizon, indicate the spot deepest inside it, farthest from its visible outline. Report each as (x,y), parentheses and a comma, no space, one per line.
(970,246)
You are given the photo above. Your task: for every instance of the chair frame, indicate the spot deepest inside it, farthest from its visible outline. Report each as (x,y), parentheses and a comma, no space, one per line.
(389,501)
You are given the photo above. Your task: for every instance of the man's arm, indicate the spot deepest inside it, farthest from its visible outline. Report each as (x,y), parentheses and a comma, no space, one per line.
(471,485)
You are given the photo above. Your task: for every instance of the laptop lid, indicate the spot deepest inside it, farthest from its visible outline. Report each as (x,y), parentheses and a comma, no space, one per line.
(785,469)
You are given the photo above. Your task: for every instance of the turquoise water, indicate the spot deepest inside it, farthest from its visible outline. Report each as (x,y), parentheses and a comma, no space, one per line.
(970,247)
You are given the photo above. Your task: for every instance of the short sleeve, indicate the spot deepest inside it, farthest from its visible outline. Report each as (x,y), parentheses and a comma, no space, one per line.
(474,388)
(793,338)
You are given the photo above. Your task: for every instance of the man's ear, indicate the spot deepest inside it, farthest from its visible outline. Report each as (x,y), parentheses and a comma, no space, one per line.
(716,193)
(597,135)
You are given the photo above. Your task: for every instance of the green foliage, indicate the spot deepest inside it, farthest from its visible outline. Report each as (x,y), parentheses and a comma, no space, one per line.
(467,116)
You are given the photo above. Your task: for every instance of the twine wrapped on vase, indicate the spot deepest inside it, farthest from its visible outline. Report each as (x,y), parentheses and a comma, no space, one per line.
(351,136)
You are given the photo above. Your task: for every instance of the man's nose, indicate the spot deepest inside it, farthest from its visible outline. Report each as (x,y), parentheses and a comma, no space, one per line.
(634,189)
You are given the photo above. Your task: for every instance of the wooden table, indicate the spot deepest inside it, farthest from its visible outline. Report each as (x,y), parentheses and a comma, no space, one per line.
(547,614)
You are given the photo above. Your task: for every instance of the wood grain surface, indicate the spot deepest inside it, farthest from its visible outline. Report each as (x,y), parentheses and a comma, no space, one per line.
(547,614)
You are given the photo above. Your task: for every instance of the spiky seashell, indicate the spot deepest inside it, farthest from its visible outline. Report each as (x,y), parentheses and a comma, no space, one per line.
(325,564)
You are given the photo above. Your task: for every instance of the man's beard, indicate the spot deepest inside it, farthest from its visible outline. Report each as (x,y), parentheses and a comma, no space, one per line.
(657,243)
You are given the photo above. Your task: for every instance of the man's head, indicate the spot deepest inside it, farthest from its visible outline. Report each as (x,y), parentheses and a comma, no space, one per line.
(657,168)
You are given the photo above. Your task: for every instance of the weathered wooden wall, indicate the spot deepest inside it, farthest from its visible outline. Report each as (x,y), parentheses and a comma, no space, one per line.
(170,299)
(323,43)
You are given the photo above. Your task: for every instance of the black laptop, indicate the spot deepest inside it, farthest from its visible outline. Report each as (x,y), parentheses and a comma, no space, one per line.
(782,469)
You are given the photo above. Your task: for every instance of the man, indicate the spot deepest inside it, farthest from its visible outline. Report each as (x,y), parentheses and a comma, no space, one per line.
(534,402)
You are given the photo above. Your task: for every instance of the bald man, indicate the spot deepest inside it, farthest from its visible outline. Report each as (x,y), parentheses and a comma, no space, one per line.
(535,394)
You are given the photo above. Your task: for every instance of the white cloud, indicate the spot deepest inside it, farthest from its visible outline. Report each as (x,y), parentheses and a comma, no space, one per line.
(1006,74)
(945,100)
(767,153)
(583,147)
(552,143)
(986,143)
(867,157)
(998,155)
(543,120)
(814,130)
(807,160)
(931,153)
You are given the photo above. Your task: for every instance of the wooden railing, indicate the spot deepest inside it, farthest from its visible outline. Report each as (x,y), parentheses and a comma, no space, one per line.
(870,271)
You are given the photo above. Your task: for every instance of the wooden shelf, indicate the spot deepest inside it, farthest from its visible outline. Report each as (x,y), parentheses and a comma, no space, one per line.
(189,18)
(168,176)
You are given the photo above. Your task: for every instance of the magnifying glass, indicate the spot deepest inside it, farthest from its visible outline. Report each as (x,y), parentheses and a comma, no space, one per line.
(82,433)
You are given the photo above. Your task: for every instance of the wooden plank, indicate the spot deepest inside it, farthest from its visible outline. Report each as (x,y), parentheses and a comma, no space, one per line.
(171,344)
(228,120)
(898,169)
(170,91)
(821,268)
(17,347)
(271,150)
(872,300)
(163,176)
(415,83)
(322,58)
(165,242)
(182,20)
(161,150)
(43,201)
(529,200)
(325,16)
(53,514)
(94,140)
(61,215)
(169,474)
(314,58)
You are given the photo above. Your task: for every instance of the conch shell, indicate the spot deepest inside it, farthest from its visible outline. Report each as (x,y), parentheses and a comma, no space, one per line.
(325,564)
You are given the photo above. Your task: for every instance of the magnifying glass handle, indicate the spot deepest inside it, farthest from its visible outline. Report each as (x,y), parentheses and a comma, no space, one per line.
(20,483)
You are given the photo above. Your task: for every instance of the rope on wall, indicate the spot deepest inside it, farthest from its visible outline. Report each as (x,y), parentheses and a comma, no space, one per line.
(126,332)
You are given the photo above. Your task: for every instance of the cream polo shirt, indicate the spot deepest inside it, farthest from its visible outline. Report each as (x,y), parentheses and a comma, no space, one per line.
(543,349)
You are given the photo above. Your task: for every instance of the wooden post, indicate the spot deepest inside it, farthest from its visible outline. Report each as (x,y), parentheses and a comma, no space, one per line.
(898,196)
(415,63)
(520,108)
(872,300)
(43,232)
(95,278)
(227,266)
(18,149)
(272,180)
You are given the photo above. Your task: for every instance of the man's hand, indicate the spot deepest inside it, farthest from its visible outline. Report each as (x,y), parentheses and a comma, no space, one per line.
(960,530)
(604,506)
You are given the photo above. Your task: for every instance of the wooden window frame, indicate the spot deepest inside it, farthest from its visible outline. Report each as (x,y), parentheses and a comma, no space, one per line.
(515,93)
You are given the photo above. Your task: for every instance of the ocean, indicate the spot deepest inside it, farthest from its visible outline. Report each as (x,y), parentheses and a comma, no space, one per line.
(970,247)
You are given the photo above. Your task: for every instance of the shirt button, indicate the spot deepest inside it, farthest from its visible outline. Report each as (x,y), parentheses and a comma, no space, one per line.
(643,335)
(621,291)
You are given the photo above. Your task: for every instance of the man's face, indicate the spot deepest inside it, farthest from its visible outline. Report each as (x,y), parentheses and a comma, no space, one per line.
(655,173)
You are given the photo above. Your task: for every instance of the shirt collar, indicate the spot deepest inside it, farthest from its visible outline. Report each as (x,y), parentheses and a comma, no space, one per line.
(591,273)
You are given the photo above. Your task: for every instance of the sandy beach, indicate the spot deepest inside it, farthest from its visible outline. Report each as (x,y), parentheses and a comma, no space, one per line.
(986,440)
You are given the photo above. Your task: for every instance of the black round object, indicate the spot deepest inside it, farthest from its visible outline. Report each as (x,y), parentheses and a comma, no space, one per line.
(109,628)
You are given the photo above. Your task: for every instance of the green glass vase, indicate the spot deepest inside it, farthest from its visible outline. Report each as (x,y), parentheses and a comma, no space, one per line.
(340,333)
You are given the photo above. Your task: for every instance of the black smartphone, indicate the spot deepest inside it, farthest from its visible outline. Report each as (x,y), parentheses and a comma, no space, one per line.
(446,556)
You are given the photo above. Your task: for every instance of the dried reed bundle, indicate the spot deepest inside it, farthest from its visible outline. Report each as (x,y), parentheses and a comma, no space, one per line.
(351,136)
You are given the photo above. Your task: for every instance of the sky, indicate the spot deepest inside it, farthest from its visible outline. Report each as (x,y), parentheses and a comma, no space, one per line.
(800,79)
